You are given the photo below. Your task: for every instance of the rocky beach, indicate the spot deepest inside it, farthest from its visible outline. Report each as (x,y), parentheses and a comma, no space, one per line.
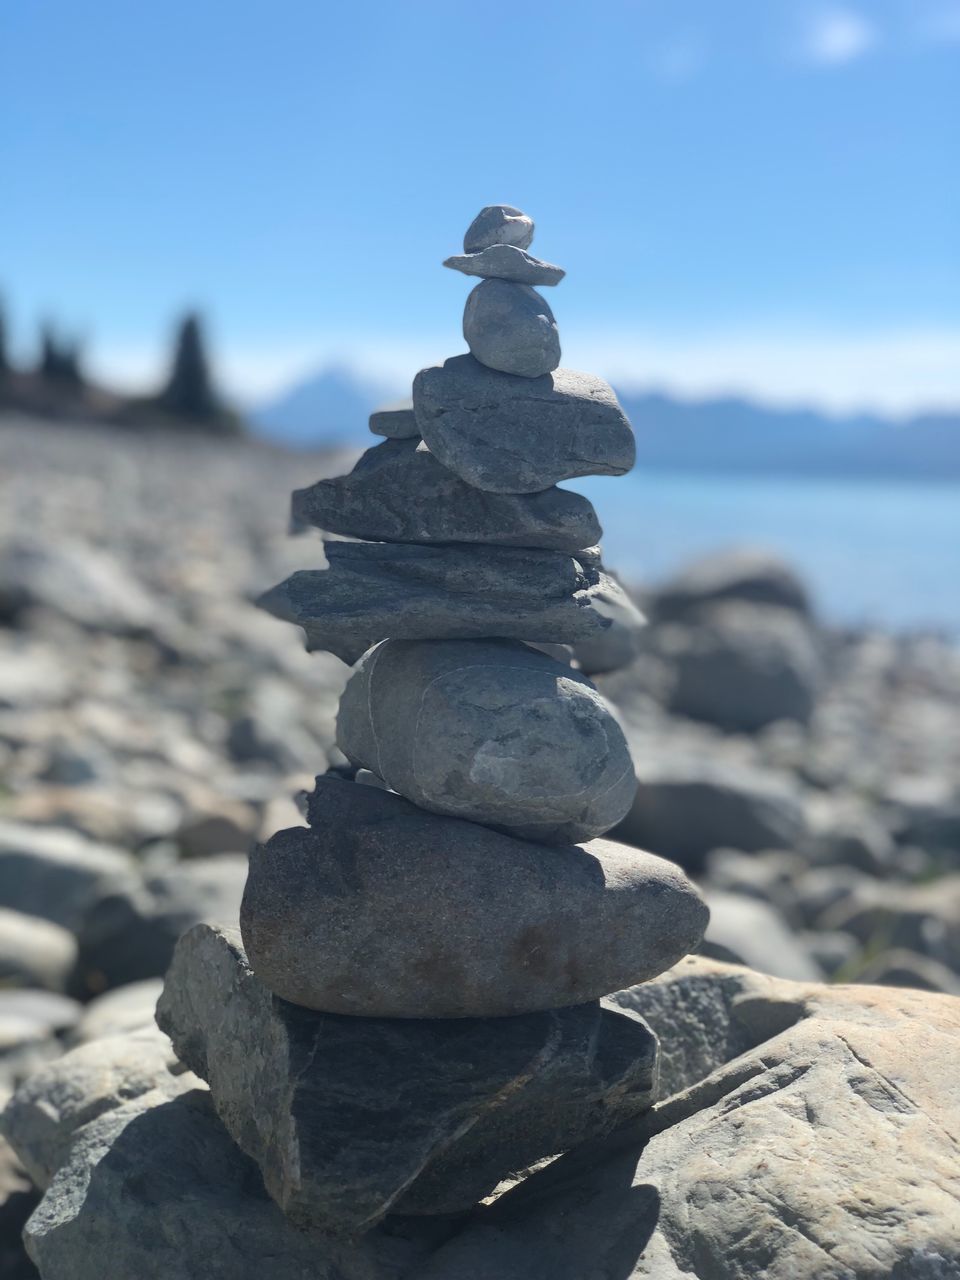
(337,1101)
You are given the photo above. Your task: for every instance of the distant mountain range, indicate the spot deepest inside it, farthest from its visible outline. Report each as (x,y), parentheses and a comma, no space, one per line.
(720,435)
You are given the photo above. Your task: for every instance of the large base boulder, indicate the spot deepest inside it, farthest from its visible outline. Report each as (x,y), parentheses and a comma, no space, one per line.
(351,1118)
(814,1137)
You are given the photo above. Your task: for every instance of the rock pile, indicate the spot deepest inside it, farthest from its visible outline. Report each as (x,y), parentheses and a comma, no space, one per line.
(415,1010)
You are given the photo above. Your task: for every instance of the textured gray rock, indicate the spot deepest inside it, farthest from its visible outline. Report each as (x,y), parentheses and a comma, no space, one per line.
(620,643)
(509,327)
(492,925)
(506,262)
(130,934)
(352,1118)
(398,492)
(518,435)
(490,731)
(815,1139)
(18,1199)
(397,422)
(686,807)
(742,666)
(157,1189)
(744,930)
(116,1012)
(372,591)
(754,576)
(498,224)
(35,952)
(48,1109)
(55,873)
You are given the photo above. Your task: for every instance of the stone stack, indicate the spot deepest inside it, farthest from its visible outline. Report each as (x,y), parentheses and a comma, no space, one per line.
(415,1009)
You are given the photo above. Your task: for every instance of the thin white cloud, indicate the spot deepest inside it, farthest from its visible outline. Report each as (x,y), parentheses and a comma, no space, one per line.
(894,373)
(836,37)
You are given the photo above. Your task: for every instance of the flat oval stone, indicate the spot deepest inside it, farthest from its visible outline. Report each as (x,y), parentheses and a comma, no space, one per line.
(509,327)
(375,590)
(506,262)
(494,732)
(519,435)
(399,492)
(382,910)
(498,224)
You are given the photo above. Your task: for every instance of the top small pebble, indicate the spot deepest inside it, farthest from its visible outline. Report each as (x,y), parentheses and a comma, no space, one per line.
(498,224)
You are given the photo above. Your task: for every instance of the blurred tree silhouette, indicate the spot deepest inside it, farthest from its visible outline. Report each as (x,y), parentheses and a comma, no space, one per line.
(59,360)
(189,393)
(4,355)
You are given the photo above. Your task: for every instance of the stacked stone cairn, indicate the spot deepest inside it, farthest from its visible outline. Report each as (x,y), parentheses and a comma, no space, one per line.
(413,1011)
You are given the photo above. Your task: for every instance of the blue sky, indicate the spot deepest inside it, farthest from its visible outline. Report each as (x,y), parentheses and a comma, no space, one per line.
(750,195)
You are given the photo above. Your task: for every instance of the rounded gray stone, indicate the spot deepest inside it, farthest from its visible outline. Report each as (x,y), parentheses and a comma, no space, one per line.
(498,224)
(509,327)
(380,909)
(493,732)
(506,262)
(519,435)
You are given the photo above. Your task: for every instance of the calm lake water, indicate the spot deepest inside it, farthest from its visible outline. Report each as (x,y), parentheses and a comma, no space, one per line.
(872,551)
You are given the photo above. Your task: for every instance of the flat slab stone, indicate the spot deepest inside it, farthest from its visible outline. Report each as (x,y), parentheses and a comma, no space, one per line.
(509,327)
(397,422)
(518,435)
(375,591)
(498,224)
(506,262)
(351,1118)
(490,731)
(380,909)
(399,492)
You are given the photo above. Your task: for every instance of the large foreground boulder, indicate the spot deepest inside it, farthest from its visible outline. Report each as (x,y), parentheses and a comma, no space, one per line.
(380,909)
(813,1137)
(351,1118)
(155,1189)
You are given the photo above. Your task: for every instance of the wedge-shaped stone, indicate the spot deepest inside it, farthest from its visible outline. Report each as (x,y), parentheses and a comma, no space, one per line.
(396,421)
(506,262)
(372,591)
(380,909)
(491,731)
(399,492)
(510,434)
(498,224)
(349,1118)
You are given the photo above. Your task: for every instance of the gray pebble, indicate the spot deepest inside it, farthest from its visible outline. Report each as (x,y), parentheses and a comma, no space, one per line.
(498,224)
(509,327)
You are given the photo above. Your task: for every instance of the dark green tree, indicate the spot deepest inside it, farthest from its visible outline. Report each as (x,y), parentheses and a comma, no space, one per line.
(189,391)
(59,359)
(4,354)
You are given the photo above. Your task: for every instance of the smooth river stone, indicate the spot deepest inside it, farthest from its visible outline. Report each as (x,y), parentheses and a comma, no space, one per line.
(509,327)
(399,492)
(490,731)
(351,1118)
(519,435)
(506,262)
(397,422)
(374,591)
(382,910)
(498,224)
